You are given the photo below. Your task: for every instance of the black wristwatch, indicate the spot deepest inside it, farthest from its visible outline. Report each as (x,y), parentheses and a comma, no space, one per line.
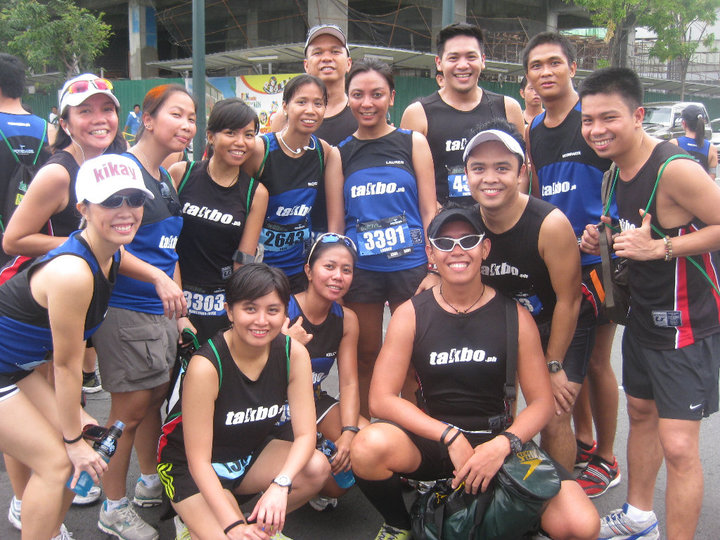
(241,257)
(554,366)
(283,480)
(515,442)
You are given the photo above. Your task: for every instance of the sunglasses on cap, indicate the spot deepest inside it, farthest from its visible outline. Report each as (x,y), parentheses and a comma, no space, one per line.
(78,87)
(333,238)
(467,242)
(134,200)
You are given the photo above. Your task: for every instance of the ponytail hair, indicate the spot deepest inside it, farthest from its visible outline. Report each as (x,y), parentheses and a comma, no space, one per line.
(693,117)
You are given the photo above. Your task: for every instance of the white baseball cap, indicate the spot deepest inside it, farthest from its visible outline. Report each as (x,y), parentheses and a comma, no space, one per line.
(103,176)
(494,135)
(74,92)
(328,29)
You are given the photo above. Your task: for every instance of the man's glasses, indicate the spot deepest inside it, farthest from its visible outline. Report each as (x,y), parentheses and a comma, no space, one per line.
(78,87)
(172,205)
(333,238)
(135,200)
(467,242)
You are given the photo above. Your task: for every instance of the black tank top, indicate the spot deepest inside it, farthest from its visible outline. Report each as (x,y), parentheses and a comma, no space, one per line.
(672,303)
(66,220)
(245,410)
(460,360)
(448,131)
(514,266)
(213,223)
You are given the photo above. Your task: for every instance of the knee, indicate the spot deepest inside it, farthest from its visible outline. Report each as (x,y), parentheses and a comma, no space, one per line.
(56,468)
(557,426)
(680,451)
(316,471)
(571,515)
(368,449)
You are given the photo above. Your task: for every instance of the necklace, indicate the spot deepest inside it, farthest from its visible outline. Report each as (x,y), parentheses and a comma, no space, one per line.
(463,312)
(292,150)
(215,178)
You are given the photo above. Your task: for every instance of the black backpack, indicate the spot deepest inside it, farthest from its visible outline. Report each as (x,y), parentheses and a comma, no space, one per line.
(12,192)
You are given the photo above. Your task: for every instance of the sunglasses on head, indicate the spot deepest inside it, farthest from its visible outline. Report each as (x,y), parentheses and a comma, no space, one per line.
(333,238)
(78,87)
(134,200)
(467,242)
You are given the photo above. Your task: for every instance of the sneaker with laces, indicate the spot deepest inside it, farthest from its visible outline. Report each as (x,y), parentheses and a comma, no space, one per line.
(599,476)
(64,534)
(91,385)
(618,526)
(147,495)
(125,524)
(14,513)
(388,532)
(582,455)
(93,495)
(321,503)
(181,530)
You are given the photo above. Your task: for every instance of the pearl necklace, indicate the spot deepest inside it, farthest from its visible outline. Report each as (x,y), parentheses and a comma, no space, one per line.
(464,312)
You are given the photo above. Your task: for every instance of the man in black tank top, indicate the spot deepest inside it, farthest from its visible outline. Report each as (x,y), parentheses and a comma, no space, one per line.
(533,258)
(448,116)
(671,345)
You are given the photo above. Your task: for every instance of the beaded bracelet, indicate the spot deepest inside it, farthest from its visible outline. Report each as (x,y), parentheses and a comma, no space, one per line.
(354,429)
(233,525)
(73,441)
(668,248)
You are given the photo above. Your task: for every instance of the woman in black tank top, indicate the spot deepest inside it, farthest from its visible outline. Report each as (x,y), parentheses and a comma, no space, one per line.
(446,356)
(288,473)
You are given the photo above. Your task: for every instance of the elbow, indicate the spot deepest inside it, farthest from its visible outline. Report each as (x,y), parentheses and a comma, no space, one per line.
(10,245)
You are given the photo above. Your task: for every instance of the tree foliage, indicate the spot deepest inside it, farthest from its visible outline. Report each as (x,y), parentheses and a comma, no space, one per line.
(53,35)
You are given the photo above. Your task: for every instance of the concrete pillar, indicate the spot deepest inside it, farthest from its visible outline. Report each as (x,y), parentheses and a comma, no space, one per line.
(459,15)
(328,12)
(142,37)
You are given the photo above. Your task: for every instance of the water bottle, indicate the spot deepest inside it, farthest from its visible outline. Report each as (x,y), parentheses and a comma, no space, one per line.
(344,479)
(106,448)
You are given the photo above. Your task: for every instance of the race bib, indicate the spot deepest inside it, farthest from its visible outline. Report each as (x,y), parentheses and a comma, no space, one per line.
(205,304)
(457,182)
(277,237)
(389,236)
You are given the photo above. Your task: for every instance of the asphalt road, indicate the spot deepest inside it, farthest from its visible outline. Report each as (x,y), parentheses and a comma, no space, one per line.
(355,519)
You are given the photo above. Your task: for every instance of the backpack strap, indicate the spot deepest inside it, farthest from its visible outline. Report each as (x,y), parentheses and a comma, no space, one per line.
(217,357)
(511,353)
(251,193)
(12,152)
(188,168)
(287,356)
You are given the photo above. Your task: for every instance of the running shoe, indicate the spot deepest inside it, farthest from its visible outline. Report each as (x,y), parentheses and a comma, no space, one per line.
(147,495)
(64,534)
(618,526)
(321,503)
(583,455)
(91,385)
(388,532)
(125,524)
(599,476)
(181,530)
(14,513)
(93,495)
(279,536)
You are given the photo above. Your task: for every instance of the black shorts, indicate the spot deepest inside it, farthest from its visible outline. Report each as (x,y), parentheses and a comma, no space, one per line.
(371,287)
(578,353)
(8,383)
(682,382)
(592,311)
(323,403)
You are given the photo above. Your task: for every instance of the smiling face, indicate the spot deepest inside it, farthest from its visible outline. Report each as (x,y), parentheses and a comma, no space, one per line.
(331,273)
(458,265)
(233,146)
(609,125)
(305,109)
(257,322)
(327,59)
(370,97)
(549,72)
(493,174)
(92,124)
(461,63)
(173,124)
(114,225)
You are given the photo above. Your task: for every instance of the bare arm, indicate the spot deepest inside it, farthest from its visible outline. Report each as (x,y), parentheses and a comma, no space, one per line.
(254,222)
(177,171)
(47,195)
(427,198)
(414,118)
(334,181)
(713,161)
(168,290)
(513,113)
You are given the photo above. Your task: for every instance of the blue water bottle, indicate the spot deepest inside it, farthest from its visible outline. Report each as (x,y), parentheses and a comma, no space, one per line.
(106,448)
(344,479)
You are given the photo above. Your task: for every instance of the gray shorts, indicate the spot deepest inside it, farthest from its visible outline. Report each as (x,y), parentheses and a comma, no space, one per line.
(136,351)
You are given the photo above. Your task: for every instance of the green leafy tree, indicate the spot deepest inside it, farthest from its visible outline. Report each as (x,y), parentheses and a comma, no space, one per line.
(53,35)
(681,27)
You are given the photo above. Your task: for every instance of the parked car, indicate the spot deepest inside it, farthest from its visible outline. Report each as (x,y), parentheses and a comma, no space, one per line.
(663,119)
(715,125)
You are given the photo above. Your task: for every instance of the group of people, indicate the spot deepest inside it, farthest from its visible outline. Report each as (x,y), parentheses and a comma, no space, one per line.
(468,205)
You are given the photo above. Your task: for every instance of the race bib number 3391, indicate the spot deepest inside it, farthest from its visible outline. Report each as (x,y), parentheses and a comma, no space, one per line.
(389,236)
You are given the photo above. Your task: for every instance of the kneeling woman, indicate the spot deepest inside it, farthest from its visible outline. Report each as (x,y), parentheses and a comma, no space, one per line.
(232,395)
(449,440)
(55,305)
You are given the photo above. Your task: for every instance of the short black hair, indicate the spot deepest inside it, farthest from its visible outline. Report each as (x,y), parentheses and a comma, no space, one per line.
(231,113)
(459,29)
(549,37)
(254,280)
(523,83)
(371,64)
(12,76)
(136,105)
(298,82)
(502,125)
(614,80)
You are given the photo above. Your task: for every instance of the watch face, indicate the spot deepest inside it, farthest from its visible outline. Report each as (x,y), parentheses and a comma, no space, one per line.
(283,481)
(554,366)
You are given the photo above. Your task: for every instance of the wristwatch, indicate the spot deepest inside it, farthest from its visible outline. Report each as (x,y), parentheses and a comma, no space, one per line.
(283,480)
(515,442)
(241,257)
(554,366)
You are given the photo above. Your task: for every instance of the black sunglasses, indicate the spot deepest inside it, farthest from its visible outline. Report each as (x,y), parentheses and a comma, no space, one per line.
(172,205)
(467,242)
(134,200)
